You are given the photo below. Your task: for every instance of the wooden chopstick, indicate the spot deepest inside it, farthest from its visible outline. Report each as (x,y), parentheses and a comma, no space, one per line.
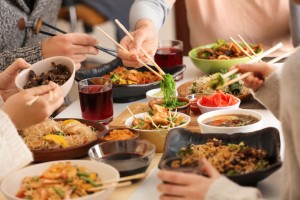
(123,184)
(247,45)
(120,46)
(287,54)
(126,178)
(142,49)
(30,102)
(241,48)
(259,57)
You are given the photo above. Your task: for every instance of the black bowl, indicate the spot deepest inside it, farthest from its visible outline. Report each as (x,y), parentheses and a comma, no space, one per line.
(125,93)
(267,139)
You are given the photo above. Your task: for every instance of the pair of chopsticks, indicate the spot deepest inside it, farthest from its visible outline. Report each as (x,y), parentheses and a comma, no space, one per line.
(125,181)
(254,58)
(160,72)
(40,23)
(30,102)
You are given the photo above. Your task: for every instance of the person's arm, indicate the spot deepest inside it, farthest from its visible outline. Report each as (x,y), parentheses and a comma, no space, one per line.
(31,54)
(154,10)
(14,153)
(295,22)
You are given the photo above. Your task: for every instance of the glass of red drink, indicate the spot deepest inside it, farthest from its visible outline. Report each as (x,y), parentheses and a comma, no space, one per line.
(96,100)
(169,54)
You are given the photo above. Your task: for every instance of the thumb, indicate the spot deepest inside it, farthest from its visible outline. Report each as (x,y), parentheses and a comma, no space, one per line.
(44,89)
(16,66)
(209,170)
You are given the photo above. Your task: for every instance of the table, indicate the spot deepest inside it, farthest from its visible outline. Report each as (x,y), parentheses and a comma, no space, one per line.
(146,189)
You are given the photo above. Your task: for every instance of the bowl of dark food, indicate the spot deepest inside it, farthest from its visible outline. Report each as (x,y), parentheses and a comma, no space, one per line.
(155,125)
(129,84)
(219,56)
(129,157)
(118,134)
(59,69)
(61,138)
(245,158)
(230,121)
(65,179)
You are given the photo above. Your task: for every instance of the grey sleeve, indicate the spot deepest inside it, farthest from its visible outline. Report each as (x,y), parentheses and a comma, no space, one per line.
(31,54)
(154,10)
(295,23)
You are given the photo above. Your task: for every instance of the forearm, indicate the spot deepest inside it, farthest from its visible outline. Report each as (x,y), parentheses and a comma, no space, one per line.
(31,54)
(11,158)
(268,95)
(154,10)
(224,189)
(295,23)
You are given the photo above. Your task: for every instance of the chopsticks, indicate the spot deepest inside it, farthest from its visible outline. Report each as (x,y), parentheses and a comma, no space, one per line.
(123,48)
(30,102)
(125,181)
(142,49)
(109,51)
(257,58)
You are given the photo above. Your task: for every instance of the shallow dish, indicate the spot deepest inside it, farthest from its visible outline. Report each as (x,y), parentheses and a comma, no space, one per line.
(129,157)
(267,139)
(204,128)
(70,152)
(213,66)
(125,93)
(155,136)
(45,66)
(11,183)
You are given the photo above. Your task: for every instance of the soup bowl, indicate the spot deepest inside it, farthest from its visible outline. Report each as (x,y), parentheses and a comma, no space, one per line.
(235,116)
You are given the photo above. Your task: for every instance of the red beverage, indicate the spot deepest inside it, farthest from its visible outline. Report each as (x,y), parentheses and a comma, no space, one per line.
(96,102)
(168,56)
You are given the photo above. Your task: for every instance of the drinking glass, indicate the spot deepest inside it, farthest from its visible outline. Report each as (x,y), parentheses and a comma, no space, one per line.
(96,100)
(169,54)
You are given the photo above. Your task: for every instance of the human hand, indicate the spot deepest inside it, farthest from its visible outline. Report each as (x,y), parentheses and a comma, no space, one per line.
(178,185)
(23,115)
(146,36)
(73,45)
(260,71)
(7,78)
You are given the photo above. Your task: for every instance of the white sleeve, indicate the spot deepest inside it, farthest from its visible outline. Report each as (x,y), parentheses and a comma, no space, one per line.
(14,153)
(154,10)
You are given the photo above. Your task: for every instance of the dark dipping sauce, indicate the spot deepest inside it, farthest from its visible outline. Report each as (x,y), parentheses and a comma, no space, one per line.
(232,120)
(127,163)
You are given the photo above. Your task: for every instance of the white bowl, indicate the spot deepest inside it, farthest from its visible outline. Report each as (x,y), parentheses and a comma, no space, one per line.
(44,66)
(155,94)
(204,128)
(155,136)
(205,109)
(12,183)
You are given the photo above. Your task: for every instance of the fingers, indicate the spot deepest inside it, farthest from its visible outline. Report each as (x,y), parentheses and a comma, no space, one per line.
(82,39)
(210,170)
(41,90)
(178,177)
(16,66)
(80,49)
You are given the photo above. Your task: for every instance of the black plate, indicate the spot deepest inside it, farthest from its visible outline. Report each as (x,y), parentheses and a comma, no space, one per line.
(125,93)
(267,139)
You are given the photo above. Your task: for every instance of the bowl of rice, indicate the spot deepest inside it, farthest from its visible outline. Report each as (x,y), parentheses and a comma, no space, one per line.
(61,138)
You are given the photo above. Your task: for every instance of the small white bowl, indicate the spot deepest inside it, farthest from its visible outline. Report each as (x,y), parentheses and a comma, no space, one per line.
(204,128)
(45,66)
(155,94)
(155,136)
(205,109)
(12,183)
